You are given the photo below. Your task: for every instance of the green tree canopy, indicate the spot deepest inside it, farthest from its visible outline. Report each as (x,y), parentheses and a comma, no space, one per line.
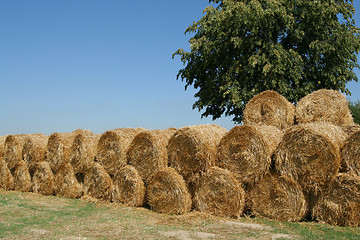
(240,48)
(355,110)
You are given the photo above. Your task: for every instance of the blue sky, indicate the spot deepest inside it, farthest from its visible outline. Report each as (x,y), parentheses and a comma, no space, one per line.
(97,65)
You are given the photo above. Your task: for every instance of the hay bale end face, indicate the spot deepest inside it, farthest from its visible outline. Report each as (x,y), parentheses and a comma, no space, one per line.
(277,197)
(167,193)
(129,188)
(147,152)
(98,183)
(340,203)
(310,154)
(246,151)
(113,146)
(13,149)
(43,180)
(324,105)
(350,154)
(34,150)
(270,108)
(220,194)
(83,151)
(22,179)
(66,184)
(192,150)
(6,178)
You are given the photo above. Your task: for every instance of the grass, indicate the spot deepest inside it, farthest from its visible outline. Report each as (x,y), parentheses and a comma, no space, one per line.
(32,216)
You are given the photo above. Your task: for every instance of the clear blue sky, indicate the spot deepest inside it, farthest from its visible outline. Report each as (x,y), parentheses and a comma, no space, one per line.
(98,65)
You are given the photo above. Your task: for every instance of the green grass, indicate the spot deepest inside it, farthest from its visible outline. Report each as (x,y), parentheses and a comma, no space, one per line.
(32,216)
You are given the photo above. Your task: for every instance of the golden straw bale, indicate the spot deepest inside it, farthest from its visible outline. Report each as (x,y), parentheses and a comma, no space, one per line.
(113,146)
(22,179)
(13,149)
(310,154)
(270,108)
(350,154)
(147,152)
(350,129)
(277,197)
(58,148)
(6,178)
(220,194)
(2,145)
(66,184)
(324,105)
(43,180)
(167,192)
(33,150)
(340,203)
(83,151)
(129,188)
(98,183)
(246,151)
(192,150)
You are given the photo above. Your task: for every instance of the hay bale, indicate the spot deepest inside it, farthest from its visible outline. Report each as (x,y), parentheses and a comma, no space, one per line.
(129,188)
(310,154)
(340,203)
(43,180)
(66,184)
(350,129)
(270,108)
(112,148)
(147,152)
(324,105)
(58,148)
(167,192)
(277,197)
(6,178)
(2,145)
(83,151)
(246,151)
(13,149)
(33,150)
(98,183)
(22,179)
(193,150)
(220,194)
(350,154)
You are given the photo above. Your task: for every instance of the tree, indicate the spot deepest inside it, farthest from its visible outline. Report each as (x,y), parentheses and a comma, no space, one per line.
(240,48)
(355,110)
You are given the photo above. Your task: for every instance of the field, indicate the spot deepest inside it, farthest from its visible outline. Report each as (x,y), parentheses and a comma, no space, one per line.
(33,216)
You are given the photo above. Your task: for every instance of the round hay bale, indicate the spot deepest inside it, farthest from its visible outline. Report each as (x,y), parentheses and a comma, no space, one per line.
(83,151)
(246,151)
(147,152)
(277,197)
(43,180)
(98,183)
(112,148)
(270,108)
(129,188)
(66,184)
(350,154)
(340,203)
(310,154)
(58,148)
(324,105)
(6,178)
(13,149)
(192,150)
(22,179)
(34,151)
(220,194)
(2,145)
(350,129)
(167,192)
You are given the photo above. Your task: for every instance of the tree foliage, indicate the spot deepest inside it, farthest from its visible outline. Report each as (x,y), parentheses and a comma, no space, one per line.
(355,110)
(240,48)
